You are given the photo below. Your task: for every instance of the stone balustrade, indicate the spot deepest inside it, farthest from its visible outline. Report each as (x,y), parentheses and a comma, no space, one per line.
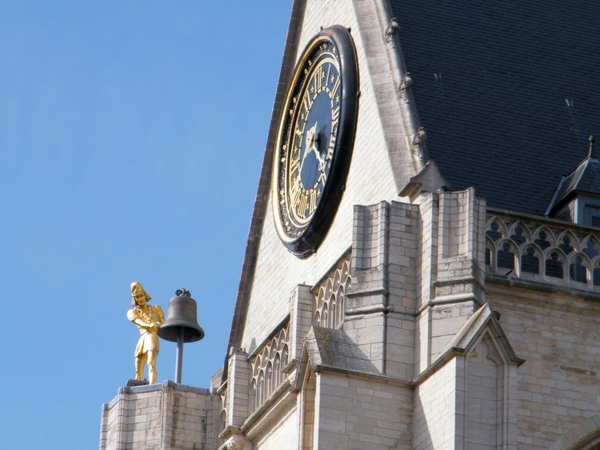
(544,250)
(267,368)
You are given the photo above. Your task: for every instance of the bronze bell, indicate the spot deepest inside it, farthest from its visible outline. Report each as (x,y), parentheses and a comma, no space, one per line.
(181,326)
(181,316)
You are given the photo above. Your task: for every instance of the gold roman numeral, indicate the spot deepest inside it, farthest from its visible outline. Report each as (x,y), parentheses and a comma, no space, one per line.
(312,202)
(294,165)
(301,207)
(330,147)
(296,192)
(336,86)
(307,103)
(320,78)
(335,116)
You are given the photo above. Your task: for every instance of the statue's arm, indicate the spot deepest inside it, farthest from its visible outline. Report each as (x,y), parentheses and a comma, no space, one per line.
(135,318)
(131,315)
(161,317)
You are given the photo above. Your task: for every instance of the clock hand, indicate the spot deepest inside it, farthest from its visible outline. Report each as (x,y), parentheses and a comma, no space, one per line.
(307,143)
(310,143)
(315,143)
(320,159)
(313,137)
(323,158)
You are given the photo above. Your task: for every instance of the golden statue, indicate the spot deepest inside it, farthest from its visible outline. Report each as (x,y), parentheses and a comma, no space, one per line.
(148,319)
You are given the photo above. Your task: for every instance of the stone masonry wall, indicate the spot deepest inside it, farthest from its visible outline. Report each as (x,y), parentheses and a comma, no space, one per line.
(159,416)
(370,179)
(283,435)
(451,279)
(381,302)
(361,414)
(434,424)
(559,337)
(484,391)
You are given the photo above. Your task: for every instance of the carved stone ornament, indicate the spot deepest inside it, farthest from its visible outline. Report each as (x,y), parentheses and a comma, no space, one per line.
(238,442)
(392,30)
(330,297)
(405,85)
(419,142)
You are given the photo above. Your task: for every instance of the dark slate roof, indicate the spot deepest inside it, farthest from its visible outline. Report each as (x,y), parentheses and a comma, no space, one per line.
(584,179)
(507,91)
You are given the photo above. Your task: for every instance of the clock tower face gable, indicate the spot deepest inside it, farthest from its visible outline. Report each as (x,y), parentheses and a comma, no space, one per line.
(306,225)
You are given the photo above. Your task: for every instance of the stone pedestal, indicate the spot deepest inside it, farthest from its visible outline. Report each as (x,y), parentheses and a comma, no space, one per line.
(167,416)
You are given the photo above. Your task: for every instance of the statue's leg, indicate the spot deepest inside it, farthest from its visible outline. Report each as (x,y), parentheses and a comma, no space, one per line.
(140,361)
(152,366)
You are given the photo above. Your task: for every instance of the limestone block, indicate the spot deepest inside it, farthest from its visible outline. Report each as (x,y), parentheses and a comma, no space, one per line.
(371,415)
(238,388)
(156,417)
(301,317)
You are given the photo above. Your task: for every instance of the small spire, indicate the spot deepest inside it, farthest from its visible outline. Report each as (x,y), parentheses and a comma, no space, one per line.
(593,153)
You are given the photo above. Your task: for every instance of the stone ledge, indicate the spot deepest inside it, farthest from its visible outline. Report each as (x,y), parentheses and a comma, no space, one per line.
(128,390)
(541,286)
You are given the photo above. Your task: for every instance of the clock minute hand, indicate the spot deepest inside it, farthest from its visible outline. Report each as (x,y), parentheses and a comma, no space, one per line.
(307,148)
(322,160)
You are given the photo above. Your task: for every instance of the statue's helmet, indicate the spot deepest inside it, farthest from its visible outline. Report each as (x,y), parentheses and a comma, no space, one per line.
(137,290)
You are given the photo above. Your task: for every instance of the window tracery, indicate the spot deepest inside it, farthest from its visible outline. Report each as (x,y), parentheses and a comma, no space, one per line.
(330,297)
(267,368)
(543,250)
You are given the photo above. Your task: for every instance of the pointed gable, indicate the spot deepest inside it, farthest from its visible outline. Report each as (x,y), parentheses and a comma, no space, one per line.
(389,156)
(483,320)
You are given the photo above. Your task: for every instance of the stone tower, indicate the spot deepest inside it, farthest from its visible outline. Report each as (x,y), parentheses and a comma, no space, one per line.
(407,282)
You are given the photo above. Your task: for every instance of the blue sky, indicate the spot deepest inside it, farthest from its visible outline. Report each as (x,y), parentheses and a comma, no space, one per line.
(131,138)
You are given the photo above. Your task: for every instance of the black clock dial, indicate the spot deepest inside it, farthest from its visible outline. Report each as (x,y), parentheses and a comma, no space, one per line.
(315,164)
(315,139)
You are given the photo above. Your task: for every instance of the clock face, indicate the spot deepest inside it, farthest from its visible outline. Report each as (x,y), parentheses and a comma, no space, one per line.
(315,139)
